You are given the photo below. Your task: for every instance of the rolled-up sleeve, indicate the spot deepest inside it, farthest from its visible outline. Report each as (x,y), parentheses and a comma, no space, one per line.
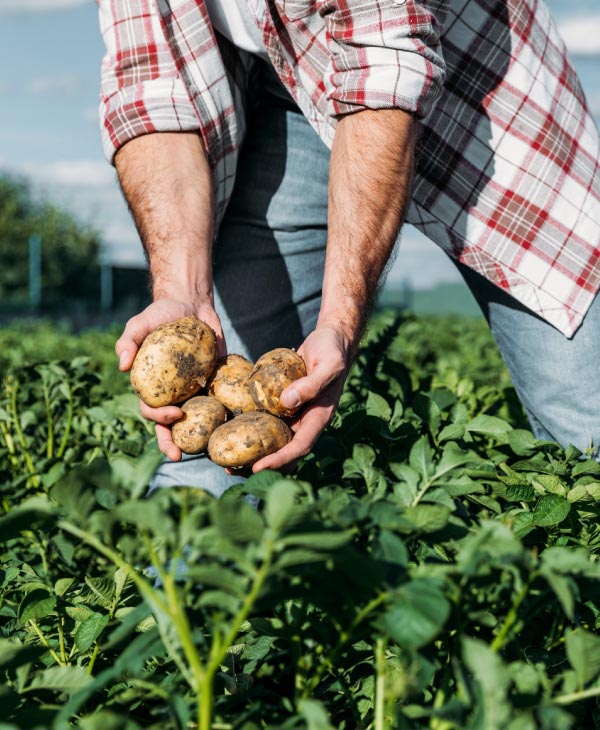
(141,88)
(384,54)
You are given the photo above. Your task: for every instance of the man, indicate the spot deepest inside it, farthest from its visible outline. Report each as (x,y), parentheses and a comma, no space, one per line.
(464,116)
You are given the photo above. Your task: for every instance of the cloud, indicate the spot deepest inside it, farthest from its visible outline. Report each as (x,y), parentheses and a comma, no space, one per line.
(581,34)
(20,7)
(77,173)
(88,188)
(58,84)
(91,114)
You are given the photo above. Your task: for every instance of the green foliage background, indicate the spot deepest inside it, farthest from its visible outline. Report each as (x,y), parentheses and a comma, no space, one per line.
(69,249)
(430,565)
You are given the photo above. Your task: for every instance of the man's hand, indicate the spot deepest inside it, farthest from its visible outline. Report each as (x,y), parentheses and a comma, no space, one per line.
(370,178)
(326,354)
(136,330)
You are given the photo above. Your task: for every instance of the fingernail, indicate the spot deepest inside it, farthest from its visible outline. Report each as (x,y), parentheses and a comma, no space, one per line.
(290,399)
(123,358)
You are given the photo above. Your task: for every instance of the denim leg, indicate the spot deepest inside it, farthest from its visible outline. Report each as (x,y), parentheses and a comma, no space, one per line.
(270,251)
(554,377)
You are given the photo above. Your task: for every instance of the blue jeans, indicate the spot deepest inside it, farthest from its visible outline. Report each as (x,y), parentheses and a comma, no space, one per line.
(268,269)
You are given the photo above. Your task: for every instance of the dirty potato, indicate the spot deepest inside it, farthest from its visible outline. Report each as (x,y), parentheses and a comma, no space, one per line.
(271,375)
(247,438)
(229,384)
(201,416)
(174,362)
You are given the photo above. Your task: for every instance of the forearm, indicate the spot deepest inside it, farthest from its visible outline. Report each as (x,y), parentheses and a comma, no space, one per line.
(370,181)
(167,182)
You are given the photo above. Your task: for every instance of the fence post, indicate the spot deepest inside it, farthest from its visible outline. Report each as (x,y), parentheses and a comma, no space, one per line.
(106,282)
(35,272)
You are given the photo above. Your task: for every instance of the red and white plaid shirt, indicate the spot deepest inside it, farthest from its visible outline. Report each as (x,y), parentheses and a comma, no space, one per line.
(507,163)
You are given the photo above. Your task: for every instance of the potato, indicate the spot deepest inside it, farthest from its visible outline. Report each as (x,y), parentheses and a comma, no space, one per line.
(174,362)
(229,384)
(201,416)
(272,374)
(247,438)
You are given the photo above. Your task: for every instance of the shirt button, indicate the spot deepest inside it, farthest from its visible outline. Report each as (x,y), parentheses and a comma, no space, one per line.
(399,2)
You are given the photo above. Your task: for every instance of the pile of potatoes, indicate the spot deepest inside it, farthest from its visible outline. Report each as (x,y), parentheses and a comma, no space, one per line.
(231,407)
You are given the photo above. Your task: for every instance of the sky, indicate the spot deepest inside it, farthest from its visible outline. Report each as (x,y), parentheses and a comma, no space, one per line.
(50,52)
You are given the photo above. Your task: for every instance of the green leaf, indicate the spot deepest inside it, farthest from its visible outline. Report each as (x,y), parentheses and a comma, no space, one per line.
(564,590)
(551,510)
(89,630)
(522,442)
(281,504)
(317,540)
(583,653)
(451,432)
(392,548)
(217,576)
(589,466)
(489,425)
(493,679)
(570,561)
(417,614)
(578,493)
(62,585)
(421,457)
(520,493)
(14,654)
(35,605)
(377,406)
(523,523)
(427,517)
(260,484)
(428,411)
(106,720)
(237,520)
(315,714)
(60,679)
(593,490)
(549,483)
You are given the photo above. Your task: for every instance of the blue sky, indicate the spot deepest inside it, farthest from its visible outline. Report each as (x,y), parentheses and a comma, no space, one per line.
(50,52)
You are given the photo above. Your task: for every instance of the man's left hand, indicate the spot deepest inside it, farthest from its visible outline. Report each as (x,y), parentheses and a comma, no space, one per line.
(326,354)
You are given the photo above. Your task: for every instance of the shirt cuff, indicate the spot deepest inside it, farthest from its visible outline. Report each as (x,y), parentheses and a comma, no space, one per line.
(398,64)
(155,105)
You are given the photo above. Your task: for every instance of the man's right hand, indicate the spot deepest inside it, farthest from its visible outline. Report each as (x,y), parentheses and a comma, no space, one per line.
(136,331)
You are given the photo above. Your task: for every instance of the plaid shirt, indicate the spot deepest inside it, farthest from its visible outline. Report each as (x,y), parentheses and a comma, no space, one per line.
(507,161)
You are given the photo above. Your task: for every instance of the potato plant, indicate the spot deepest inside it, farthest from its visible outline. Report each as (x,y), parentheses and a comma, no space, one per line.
(430,565)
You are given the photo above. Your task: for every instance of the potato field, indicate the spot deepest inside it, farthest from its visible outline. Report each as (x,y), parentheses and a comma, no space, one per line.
(429,565)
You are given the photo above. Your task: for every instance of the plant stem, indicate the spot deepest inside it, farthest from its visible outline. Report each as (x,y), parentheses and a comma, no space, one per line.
(583,694)
(379,684)
(219,648)
(341,642)
(44,641)
(34,479)
(65,439)
(61,640)
(438,723)
(90,667)
(511,617)
(49,421)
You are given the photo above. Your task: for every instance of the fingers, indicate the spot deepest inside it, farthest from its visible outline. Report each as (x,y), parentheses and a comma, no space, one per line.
(307,432)
(165,442)
(130,341)
(163,418)
(211,318)
(327,370)
(165,415)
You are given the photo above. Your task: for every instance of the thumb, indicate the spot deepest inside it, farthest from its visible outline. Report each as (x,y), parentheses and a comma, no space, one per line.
(308,388)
